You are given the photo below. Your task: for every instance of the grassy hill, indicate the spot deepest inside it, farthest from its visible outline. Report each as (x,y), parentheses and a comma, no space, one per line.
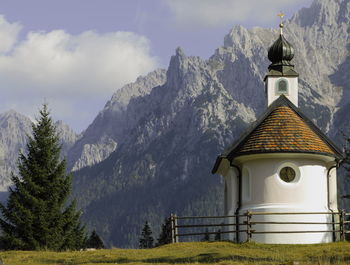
(192,253)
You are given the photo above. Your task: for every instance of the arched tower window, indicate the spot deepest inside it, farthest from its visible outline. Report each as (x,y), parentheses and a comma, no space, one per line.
(282,87)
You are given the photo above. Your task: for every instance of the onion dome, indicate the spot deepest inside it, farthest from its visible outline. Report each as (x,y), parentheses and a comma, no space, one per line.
(281,52)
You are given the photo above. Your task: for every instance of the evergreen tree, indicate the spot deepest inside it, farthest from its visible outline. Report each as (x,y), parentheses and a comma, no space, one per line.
(218,235)
(35,216)
(346,148)
(206,235)
(94,241)
(345,163)
(165,234)
(146,239)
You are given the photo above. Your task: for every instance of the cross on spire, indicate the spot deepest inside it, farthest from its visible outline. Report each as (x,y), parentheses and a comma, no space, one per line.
(281,15)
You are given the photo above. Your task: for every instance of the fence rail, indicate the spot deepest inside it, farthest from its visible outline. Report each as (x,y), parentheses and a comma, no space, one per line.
(245,220)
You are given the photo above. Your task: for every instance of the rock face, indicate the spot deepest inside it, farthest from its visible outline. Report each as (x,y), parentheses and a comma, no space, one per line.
(163,160)
(14,128)
(101,138)
(67,137)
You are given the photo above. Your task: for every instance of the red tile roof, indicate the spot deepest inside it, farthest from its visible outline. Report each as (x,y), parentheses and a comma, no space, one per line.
(283,130)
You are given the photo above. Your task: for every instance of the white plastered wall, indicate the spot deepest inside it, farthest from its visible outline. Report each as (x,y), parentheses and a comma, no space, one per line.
(272,95)
(231,203)
(309,193)
(333,194)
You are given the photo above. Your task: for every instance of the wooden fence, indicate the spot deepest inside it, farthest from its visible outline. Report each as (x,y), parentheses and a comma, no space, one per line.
(247,226)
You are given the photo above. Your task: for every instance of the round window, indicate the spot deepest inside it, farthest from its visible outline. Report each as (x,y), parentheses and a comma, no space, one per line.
(287,174)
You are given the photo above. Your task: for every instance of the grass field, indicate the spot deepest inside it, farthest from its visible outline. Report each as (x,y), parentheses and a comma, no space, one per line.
(192,253)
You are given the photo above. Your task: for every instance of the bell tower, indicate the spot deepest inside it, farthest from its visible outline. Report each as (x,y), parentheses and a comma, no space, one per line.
(281,78)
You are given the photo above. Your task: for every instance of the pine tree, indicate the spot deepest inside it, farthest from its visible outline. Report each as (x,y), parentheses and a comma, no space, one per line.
(206,235)
(35,217)
(346,161)
(165,234)
(146,239)
(94,241)
(218,235)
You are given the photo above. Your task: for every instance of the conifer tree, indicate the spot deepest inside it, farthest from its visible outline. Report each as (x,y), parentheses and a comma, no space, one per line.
(146,239)
(165,234)
(218,235)
(94,241)
(37,215)
(345,163)
(206,235)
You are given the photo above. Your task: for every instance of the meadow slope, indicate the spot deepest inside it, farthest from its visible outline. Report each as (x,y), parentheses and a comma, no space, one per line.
(192,253)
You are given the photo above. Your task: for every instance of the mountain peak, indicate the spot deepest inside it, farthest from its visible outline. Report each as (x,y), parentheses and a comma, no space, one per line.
(67,135)
(13,114)
(180,52)
(323,13)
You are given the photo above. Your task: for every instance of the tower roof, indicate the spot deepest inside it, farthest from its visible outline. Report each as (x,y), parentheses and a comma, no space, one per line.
(283,129)
(281,54)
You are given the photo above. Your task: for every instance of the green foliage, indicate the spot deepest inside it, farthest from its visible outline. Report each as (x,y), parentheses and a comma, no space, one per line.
(346,161)
(165,233)
(218,235)
(94,241)
(345,166)
(146,239)
(206,235)
(35,216)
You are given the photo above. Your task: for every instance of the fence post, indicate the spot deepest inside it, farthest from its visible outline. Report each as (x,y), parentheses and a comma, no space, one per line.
(342,225)
(172,228)
(175,229)
(249,226)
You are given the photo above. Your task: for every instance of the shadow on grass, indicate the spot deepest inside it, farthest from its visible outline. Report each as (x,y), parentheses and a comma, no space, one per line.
(206,258)
(201,258)
(215,257)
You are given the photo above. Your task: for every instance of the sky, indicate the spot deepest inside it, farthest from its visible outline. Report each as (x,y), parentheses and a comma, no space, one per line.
(74,54)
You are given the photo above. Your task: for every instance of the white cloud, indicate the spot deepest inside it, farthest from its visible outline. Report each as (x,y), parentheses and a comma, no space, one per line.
(8,34)
(75,74)
(215,13)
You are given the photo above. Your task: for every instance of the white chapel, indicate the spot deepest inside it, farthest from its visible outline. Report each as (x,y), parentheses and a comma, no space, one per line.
(282,164)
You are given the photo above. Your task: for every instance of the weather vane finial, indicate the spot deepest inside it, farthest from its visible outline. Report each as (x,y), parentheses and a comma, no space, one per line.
(281,15)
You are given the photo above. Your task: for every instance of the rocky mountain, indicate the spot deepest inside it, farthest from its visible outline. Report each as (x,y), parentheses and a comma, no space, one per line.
(14,128)
(67,137)
(151,150)
(101,138)
(165,156)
